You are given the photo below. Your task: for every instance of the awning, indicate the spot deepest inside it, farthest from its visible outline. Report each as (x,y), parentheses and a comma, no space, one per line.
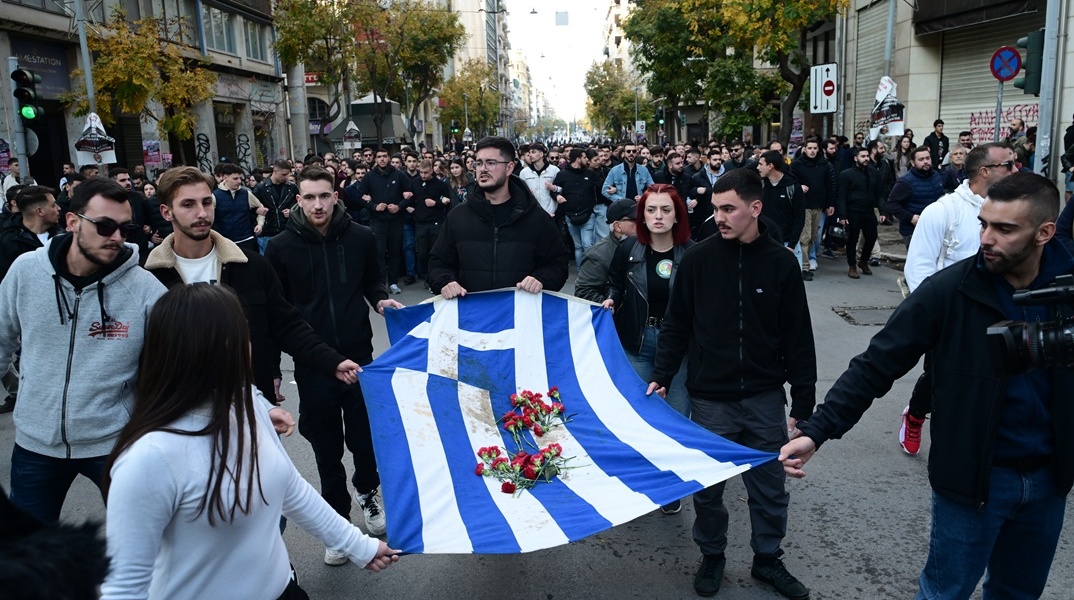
(935,16)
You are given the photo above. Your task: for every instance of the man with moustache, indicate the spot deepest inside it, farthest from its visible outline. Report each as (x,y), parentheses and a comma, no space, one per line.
(79,305)
(329,268)
(501,237)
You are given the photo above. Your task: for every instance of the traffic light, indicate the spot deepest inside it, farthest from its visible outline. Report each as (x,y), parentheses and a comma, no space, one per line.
(682,120)
(26,93)
(660,117)
(454,126)
(1032,56)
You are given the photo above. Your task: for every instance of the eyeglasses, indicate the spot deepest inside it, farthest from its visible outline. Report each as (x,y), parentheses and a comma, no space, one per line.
(490,164)
(1009,164)
(107,228)
(322,197)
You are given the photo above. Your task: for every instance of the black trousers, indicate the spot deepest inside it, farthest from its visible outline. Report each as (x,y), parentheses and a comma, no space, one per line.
(389,234)
(424,238)
(921,398)
(332,414)
(860,223)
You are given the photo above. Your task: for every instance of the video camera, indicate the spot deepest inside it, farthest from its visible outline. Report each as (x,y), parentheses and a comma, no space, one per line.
(1025,345)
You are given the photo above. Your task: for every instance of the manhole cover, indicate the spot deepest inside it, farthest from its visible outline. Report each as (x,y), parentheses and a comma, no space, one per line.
(864,315)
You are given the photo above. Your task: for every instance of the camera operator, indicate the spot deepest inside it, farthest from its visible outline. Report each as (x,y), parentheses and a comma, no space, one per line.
(999,467)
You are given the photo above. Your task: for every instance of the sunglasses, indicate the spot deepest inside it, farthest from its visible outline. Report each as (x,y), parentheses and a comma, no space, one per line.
(1009,165)
(107,228)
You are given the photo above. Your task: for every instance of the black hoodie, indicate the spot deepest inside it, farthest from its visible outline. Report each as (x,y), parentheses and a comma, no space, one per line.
(330,278)
(473,251)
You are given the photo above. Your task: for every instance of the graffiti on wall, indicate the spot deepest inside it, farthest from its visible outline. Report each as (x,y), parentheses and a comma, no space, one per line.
(242,153)
(983,122)
(203,152)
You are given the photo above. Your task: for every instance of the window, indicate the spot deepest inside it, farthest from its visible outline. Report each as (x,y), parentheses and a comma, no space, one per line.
(219,29)
(180,19)
(256,33)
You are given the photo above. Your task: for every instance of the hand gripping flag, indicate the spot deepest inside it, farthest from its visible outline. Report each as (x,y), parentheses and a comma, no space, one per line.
(435,396)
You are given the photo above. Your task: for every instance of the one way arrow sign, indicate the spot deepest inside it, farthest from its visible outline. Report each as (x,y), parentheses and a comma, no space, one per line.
(823,89)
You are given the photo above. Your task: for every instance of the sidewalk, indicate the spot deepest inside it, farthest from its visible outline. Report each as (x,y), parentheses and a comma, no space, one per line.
(892,247)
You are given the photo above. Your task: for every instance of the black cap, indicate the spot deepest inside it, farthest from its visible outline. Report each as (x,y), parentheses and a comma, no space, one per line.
(621,209)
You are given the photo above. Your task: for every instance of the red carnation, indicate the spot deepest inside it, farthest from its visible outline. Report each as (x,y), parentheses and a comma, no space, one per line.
(507,487)
(529,473)
(480,470)
(538,431)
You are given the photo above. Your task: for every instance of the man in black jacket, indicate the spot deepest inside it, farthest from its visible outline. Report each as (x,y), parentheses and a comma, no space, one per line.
(738,312)
(277,194)
(782,198)
(429,207)
(387,192)
(29,229)
(937,143)
(576,188)
(329,269)
(856,206)
(817,178)
(999,464)
(501,237)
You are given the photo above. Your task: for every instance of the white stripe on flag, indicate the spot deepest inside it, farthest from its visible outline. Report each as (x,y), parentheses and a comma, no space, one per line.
(622,420)
(531,524)
(442,524)
(609,496)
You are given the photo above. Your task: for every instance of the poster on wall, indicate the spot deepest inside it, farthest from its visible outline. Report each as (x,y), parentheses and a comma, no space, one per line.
(5,154)
(887,118)
(151,153)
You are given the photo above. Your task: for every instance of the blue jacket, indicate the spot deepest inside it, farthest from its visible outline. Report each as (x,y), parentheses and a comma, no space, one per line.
(233,214)
(617,178)
(911,194)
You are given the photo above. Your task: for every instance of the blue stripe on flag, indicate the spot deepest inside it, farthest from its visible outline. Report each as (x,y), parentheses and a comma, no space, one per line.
(605,450)
(492,370)
(483,313)
(488,529)
(401,322)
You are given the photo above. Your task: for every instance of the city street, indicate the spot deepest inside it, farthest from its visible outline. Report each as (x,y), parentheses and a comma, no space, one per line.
(858,523)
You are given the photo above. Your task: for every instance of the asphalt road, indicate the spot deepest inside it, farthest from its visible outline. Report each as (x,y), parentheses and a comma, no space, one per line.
(858,523)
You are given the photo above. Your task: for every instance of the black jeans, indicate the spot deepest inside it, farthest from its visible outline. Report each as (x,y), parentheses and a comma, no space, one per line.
(389,234)
(330,414)
(424,238)
(921,398)
(860,223)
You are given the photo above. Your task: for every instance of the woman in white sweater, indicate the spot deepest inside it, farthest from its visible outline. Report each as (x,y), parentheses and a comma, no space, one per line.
(199,479)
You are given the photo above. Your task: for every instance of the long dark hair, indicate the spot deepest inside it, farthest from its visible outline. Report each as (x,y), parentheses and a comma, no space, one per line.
(197,354)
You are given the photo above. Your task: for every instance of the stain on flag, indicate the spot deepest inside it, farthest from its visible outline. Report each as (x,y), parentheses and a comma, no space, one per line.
(435,396)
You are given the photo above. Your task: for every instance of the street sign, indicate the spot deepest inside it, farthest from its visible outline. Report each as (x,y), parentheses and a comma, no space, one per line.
(823,98)
(467,135)
(639,127)
(1006,63)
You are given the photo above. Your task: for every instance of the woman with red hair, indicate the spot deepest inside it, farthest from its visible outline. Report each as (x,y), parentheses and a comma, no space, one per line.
(640,280)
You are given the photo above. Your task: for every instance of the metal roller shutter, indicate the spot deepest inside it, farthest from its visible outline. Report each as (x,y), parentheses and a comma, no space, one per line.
(868,61)
(967,88)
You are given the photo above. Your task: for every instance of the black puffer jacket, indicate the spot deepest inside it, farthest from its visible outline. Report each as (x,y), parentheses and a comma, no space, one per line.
(330,278)
(479,255)
(16,240)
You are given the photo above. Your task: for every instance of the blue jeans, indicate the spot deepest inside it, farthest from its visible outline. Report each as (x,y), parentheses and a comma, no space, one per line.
(820,232)
(39,483)
(601,228)
(1012,540)
(262,243)
(584,236)
(408,246)
(643,366)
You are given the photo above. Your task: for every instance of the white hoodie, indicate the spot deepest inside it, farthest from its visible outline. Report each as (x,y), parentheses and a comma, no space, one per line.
(947,231)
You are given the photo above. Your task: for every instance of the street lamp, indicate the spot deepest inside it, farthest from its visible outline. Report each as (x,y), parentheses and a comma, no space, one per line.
(466,108)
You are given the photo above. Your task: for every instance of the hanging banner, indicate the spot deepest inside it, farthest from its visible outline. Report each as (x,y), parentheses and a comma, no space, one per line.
(887,117)
(151,153)
(94,146)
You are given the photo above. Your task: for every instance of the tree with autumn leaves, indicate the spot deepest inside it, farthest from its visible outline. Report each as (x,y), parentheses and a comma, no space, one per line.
(142,64)
(723,37)
(470,96)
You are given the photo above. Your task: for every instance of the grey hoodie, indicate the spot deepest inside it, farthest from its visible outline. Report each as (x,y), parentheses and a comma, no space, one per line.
(79,352)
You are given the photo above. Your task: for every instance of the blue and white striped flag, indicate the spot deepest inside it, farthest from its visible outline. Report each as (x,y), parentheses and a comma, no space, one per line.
(435,396)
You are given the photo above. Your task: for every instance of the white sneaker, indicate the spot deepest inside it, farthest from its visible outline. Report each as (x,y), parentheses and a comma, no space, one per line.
(812,264)
(372,511)
(335,557)
(394,289)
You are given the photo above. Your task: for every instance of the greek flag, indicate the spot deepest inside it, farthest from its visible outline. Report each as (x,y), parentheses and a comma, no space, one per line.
(435,396)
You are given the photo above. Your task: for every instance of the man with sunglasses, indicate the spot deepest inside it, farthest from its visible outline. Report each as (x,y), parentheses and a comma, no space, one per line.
(500,237)
(79,305)
(628,179)
(947,232)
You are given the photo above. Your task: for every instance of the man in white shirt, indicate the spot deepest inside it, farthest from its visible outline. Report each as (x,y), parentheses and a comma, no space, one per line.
(539,176)
(947,232)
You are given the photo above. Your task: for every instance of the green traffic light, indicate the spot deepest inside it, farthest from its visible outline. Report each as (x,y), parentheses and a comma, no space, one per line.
(28,112)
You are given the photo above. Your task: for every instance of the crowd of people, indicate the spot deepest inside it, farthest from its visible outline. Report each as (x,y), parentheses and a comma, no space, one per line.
(701,251)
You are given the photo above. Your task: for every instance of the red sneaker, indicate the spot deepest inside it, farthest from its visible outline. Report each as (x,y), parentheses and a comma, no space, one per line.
(910,432)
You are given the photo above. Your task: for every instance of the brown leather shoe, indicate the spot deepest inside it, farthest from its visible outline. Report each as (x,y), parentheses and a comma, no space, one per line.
(865,270)
(853,273)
